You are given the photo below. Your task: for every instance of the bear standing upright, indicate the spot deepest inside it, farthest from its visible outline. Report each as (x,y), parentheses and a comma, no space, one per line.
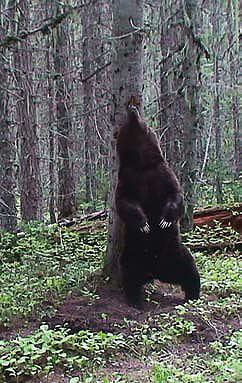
(150,203)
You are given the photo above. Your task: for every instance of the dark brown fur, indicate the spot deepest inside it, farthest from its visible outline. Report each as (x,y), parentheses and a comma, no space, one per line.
(150,203)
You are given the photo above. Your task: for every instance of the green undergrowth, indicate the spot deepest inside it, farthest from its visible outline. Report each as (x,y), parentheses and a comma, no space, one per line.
(211,238)
(44,265)
(231,192)
(192,343)
(47,349)
(220,365)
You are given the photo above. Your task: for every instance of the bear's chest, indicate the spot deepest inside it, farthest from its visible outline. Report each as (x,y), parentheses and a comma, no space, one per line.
(153,195)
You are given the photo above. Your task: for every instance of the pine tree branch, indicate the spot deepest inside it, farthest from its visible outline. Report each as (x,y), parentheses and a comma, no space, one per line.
(45,28)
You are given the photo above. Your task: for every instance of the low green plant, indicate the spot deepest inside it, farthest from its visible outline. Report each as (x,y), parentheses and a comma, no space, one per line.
(218,235)
(221,274)
(47,349)
(231,191)
(8,244)
(158,331)
(204,309)
(221,364)
(46,264)
(43,265)
(170,374)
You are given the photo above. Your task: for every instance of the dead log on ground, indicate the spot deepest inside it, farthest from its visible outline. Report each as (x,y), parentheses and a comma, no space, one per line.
(226,216)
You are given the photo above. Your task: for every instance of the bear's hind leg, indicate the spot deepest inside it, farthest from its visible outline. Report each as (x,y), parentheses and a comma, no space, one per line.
(133,291)
(190,280)
(191,286)
(179,268)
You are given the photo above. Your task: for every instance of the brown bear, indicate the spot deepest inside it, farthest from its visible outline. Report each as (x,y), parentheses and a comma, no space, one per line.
(149,201)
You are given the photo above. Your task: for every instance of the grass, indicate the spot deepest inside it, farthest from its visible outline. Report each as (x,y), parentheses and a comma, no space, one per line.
(193,343)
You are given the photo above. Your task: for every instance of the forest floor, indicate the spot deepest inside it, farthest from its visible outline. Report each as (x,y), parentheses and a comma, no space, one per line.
(166,342)
(110,311)
(110,314)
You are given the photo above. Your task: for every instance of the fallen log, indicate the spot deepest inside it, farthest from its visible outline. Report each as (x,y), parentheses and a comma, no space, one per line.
(96,221)
(98,215)
(226,216)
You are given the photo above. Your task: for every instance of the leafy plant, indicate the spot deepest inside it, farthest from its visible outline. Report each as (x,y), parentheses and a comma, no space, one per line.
(44,265)
(218,235)
(40,268)
(220,365)
(49,348)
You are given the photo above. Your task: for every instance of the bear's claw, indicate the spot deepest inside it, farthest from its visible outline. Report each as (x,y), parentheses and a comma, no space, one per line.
(145,229)
(164,224)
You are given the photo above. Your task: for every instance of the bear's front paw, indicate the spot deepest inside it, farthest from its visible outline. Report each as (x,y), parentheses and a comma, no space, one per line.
(145,229)
(164,224)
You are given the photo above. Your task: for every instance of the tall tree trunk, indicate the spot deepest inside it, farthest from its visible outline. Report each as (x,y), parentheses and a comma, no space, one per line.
(29,175)
(66,191)
(96,58)
(51,119)
(90,137)
(180,94)
(191,96)
(216,108)
(127,81)
(235,99)
(8,219)
(170,117)
(103,85)
(233,37)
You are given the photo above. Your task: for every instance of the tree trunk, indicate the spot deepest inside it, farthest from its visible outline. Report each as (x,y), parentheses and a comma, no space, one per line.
(127,81)
(90,139)
(180,90)
(103,98)
(29,175)
(51,131)
(233,36)
(96,58)
(170,117)
(8,219)
(191,72)
(66,191)
(216,110)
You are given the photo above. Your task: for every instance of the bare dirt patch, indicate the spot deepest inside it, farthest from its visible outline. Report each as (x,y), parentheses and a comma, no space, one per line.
(109,312)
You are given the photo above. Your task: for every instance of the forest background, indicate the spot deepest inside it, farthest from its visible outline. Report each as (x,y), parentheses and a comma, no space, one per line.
(57,103)
(67,70)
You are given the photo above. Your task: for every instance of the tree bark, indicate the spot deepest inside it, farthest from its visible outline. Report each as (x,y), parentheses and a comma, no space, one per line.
(29,174)
(180,94)
(51,119)
(66,187)
(191,96)
(233,36)
(128,81)
(216,109)
(8,214)
(170,116)
(90,139)
(103,99)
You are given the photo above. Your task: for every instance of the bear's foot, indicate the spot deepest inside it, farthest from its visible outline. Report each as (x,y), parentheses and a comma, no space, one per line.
(192,291)
(136,305)
(134,298)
